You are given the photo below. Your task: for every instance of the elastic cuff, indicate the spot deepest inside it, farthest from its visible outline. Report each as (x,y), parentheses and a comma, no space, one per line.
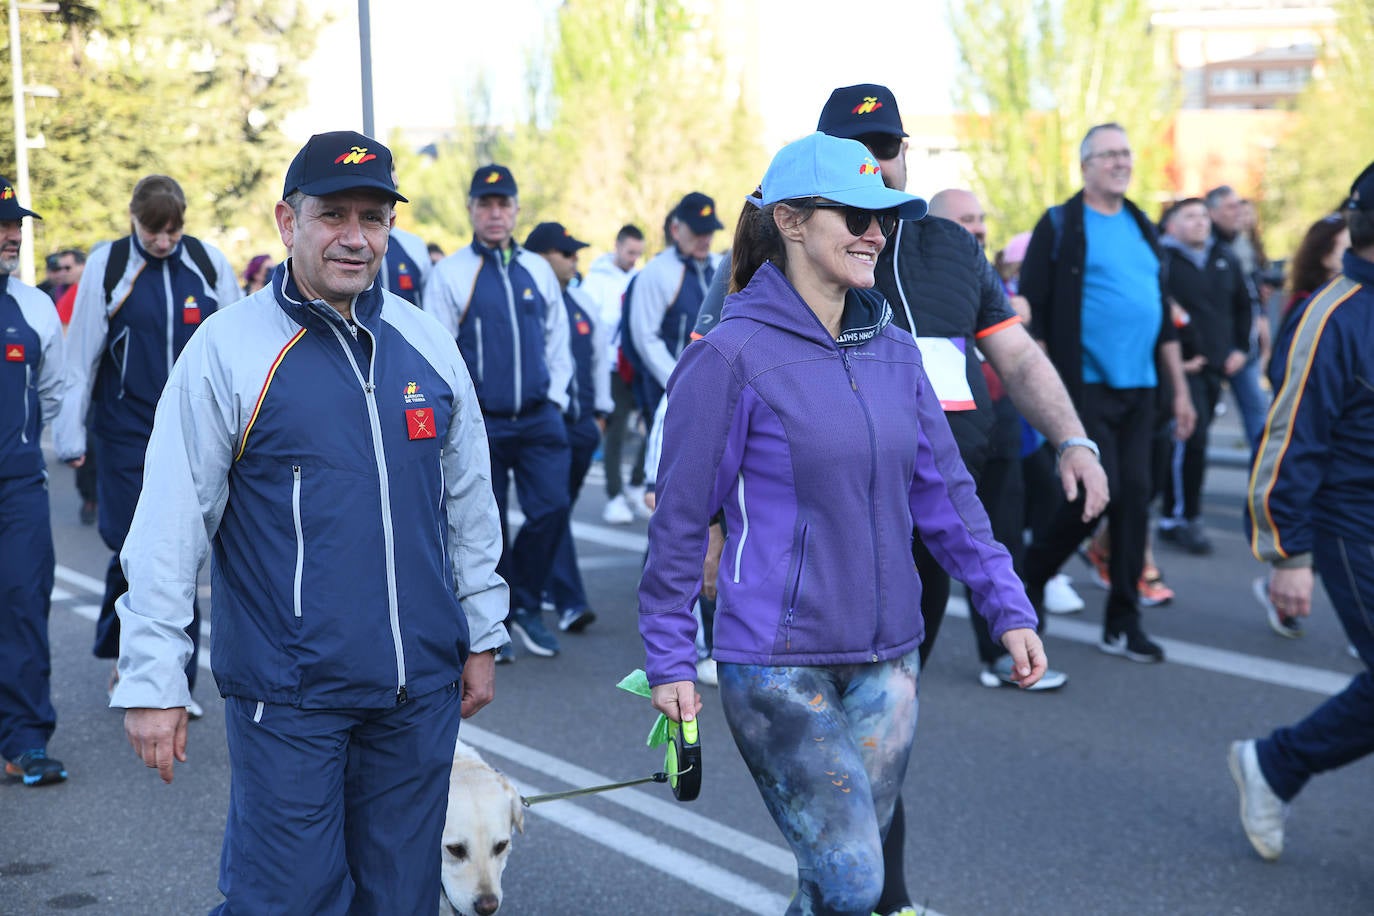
(1296,561)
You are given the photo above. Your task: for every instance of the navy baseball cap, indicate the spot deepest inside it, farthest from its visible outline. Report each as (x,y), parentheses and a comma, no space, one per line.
(853,111)
(493,179)
(1362,191)
(9,203)
(552,237)
(340,161)
(699,213)
(844,171)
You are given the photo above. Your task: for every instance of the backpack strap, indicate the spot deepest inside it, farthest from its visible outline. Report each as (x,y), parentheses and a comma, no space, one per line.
(196,249)
(114,267)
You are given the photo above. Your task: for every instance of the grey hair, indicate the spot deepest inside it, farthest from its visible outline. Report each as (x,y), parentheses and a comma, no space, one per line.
(1218,194)
(295,200)
(1083,150)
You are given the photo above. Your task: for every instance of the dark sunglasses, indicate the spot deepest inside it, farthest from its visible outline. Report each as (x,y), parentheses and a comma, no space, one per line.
(882,146)
(857,219)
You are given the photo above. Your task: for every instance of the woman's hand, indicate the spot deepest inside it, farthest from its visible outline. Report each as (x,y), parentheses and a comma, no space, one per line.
(1028,660)
(678,701)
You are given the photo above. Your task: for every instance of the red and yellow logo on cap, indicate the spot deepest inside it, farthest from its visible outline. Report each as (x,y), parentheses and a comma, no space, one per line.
(7,194)
(706,211)
(869,105)
(356,155)
(869,167)
(492,177)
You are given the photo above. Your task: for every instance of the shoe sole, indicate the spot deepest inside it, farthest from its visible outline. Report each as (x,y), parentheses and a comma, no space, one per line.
(530,645)
(1123,652)
(43,779)
(1238,776)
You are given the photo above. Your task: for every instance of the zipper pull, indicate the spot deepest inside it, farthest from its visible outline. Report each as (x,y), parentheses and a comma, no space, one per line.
(401,697)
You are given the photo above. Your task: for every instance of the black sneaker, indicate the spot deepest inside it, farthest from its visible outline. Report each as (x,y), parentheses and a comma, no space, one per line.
(36,768)
(575,619)
(1132,644)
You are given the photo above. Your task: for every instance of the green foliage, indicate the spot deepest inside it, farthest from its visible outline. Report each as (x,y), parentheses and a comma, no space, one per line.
(630,106)
(195,89)
(1034,75)
(1308,173)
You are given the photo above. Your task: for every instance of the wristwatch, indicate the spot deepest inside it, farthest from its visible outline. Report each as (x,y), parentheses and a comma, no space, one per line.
(1082,441)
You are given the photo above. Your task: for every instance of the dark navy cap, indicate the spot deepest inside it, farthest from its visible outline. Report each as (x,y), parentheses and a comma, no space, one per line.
(340,161)
(1362,191)
(852,111)
(493,179)
(699,213)
(552,237)
(9,203)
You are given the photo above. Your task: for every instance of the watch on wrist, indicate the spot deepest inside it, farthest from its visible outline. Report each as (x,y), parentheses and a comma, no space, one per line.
(1082,441)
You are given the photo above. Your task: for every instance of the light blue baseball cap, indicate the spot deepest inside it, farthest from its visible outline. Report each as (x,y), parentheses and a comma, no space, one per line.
(844,171)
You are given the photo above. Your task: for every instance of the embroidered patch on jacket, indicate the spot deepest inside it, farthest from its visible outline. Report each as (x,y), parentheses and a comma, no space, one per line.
(420,423)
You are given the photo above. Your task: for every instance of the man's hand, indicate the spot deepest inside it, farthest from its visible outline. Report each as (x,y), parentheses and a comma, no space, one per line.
(715,546)
(1195,364)
(1235,361)
(650,499)
(76,462)
(479,682)
(1080,469)
(1291,591)
(1028,660)
(158,737)
(678,701)
(1185,417)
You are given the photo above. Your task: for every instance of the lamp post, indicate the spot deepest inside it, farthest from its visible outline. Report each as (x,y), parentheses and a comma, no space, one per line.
(21,131)
(365,50)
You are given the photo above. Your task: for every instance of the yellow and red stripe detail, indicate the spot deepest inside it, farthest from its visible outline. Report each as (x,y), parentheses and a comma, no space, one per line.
(262,395)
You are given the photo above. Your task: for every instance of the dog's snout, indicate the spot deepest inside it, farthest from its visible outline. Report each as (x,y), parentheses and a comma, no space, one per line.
(486,904)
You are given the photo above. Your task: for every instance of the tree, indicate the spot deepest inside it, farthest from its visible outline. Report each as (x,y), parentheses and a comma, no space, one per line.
(195,89)
(630,105)
(1309,171)
(1035,75)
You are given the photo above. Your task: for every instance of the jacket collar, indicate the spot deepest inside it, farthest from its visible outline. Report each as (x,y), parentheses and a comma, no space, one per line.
(770,299)
(367,305)
(1357,268)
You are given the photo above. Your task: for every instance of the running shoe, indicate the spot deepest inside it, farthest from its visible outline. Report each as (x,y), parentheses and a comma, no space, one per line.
(36,768)
(1151,590)
(1097,559)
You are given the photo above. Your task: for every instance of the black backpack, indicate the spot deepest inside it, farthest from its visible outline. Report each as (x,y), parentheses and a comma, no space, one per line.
(119,259)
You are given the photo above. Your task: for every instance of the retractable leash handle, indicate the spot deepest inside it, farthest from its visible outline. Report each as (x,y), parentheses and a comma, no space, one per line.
(683,760)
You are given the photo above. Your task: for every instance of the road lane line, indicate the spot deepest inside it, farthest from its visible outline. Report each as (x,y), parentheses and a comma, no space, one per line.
(80,580)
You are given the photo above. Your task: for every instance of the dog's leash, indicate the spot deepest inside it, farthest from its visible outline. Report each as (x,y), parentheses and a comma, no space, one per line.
(684,750)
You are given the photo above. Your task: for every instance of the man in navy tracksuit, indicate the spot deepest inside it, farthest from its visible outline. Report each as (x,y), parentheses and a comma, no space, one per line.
(663,301)
(505,307)
(324,438)
(140,299)
(589,404)
(1311,510)
(30,392)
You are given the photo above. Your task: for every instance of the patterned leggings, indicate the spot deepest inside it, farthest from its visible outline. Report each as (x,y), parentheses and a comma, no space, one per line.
(828,749)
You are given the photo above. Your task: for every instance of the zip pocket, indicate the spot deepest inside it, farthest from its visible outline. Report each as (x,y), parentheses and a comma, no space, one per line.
(481,351)
(796,585)
(300,538)
(119,355)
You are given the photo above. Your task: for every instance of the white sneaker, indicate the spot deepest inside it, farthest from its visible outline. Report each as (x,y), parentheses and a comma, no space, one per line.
(635,497)
(1060,597)
(999,674)
(617,511)
(1262,813)
(706,672)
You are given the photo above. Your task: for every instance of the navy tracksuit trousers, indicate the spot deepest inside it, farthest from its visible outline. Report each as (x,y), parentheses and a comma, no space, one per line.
(336,811)
(27,717)
(565,587)
(119,482)
(1341,730)
(533,447)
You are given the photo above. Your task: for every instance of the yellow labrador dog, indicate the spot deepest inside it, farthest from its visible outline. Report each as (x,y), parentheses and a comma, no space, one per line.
(484,811)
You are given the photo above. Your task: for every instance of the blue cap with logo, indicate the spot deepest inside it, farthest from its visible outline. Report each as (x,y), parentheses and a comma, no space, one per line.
(340,160)
(493,179)
(853,111)
(552,237)
(699,213)
(9,203)
(843,171)
(1362,191)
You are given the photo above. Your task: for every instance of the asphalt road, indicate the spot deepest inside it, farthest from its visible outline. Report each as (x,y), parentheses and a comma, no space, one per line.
(1109,797)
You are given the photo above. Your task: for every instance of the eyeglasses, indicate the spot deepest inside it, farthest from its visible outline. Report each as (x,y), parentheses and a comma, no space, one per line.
(1112,155)
(882,146)
(857,219)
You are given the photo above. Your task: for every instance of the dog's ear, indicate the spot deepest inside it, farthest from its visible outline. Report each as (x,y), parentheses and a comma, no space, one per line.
(517,810)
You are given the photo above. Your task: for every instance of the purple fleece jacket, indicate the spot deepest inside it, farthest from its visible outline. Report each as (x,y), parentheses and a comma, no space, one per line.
(824,455)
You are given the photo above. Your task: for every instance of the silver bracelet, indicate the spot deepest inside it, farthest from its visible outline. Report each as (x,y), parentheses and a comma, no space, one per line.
(1082,441)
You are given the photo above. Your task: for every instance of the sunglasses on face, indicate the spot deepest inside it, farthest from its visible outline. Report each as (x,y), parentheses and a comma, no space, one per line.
(882,146)
(857,219)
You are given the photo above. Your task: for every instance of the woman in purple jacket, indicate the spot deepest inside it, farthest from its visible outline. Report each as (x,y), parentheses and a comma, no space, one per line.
(811,424)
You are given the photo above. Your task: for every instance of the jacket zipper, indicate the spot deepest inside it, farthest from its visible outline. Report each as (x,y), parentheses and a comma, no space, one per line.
(123,362)
(300,537)
(171,314)
(28,380)
(514,331)
(872,495)
(743,528)
(796,588)
(481,350)
(384,484)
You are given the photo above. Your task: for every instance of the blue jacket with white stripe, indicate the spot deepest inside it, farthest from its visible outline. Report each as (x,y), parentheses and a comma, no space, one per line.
(30,374)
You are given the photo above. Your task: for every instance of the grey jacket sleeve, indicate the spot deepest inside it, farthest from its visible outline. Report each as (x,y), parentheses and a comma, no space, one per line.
(654,292)
(189,455)
(474,529)
(557,349)
(85,343)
